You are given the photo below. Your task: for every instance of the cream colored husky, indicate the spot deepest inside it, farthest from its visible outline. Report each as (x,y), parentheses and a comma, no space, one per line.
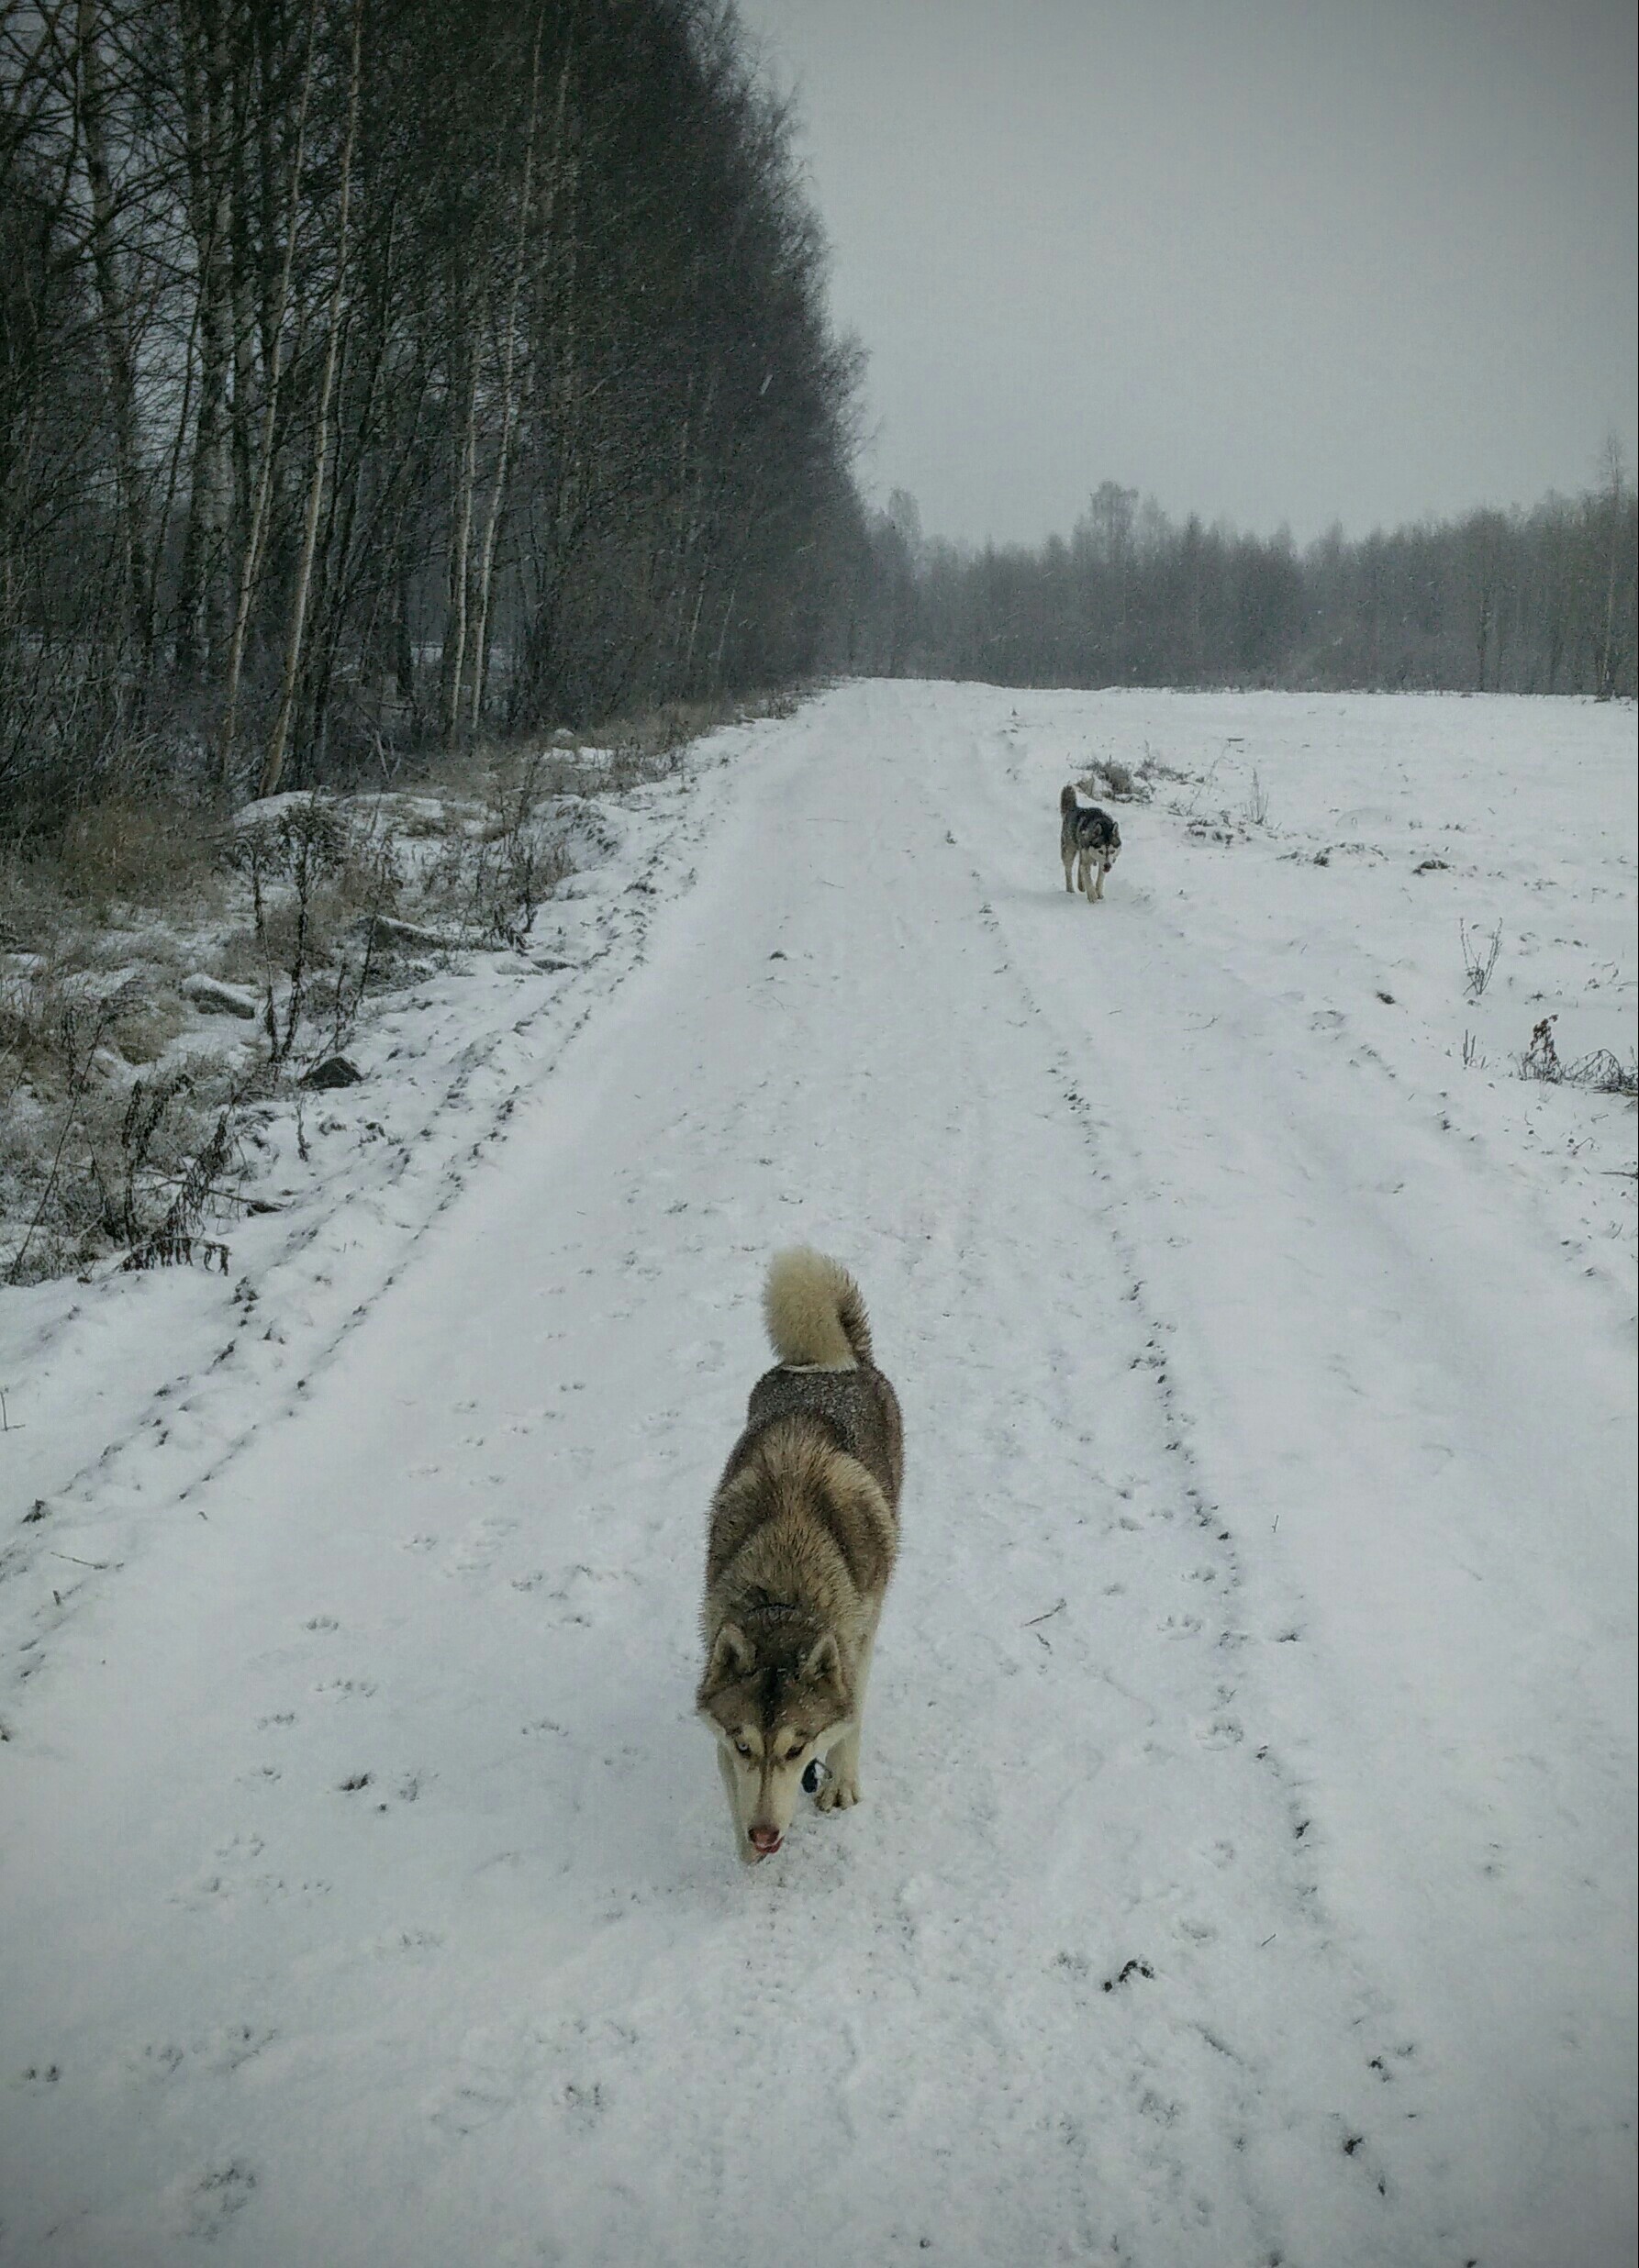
(804,1528)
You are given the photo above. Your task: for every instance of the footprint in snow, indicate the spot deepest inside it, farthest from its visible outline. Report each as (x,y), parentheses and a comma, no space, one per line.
(204,2205)
(493,2075)
(395,1944)
(223,2051)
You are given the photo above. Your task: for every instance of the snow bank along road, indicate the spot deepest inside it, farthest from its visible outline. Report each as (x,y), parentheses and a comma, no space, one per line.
(1244,1874)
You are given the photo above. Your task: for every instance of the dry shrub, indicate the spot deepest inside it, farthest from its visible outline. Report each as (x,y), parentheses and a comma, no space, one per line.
(138,854)
(145,1028)
(1114,782)
(94,1160)
(648,746)
(304,935)
(294,858)
(489,878)
(1603,1071)
(1480,964)
(52,1014)
(110,1140)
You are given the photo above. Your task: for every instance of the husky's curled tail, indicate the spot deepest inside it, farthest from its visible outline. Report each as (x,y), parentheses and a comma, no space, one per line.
(816,1317)
(1066,801)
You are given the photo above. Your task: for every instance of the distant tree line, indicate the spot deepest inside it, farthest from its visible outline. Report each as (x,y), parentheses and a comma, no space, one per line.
(382,373)
(1520,602)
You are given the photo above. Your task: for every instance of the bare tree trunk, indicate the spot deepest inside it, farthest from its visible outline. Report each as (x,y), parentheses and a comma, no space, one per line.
(273,367)
(204,614)
(557,407)
(1609,640)
(117,346)
(243,423)
(461,544)
(404,650)
(1483,634)
(274,762)
(509,360)
(343,573)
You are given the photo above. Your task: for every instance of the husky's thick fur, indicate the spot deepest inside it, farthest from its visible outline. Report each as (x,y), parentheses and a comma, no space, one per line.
(804,1528)
(1089,841)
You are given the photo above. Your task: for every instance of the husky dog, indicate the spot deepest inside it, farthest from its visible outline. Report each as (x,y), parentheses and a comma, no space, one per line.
(1089,841)
(804,1528)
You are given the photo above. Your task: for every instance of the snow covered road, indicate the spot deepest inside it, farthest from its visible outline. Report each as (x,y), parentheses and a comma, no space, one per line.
(1246,1870)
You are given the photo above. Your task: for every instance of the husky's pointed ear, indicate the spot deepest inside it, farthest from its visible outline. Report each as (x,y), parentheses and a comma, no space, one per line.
(732,1656)
(822,1661)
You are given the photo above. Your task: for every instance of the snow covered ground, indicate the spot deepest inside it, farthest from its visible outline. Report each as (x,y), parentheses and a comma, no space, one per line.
(1245,1873)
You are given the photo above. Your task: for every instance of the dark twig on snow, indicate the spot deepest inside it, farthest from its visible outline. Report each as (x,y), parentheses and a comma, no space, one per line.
(1479,957)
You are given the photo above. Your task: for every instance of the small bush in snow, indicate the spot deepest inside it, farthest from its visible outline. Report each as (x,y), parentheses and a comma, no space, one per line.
(131,851)
(285,852)
(1479,957)
(95,1158)
(1113,782)
(490,876)
(1603,1071)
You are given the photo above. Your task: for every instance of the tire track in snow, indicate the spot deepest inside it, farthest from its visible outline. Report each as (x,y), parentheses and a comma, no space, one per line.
(1382,1320)
(1359,2004)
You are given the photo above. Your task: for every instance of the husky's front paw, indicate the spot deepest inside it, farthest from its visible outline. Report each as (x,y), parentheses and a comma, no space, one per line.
(839,1791)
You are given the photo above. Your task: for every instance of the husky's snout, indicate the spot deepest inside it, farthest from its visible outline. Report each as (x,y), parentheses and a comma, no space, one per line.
(764,1841)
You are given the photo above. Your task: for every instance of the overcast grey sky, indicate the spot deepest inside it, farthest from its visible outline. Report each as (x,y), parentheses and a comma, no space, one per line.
(1274,260)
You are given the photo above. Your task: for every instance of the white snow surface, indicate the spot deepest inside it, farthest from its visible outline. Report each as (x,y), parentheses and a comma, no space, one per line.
(1245,1873)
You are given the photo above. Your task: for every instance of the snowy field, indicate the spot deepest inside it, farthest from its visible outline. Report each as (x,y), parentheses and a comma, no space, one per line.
(1245,1873)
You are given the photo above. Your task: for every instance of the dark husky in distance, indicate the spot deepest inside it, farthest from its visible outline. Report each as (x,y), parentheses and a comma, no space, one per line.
(1089,841)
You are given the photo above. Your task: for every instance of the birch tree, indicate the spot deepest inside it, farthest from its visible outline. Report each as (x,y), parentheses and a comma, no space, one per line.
(274,762)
